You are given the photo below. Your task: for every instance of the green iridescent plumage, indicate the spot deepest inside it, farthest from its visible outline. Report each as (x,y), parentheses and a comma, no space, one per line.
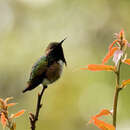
(37,74)
(38,68)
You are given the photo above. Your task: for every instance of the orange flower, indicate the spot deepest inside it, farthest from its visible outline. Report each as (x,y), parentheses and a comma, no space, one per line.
(125,82)
(4,116)
(118,50)
(127,61)
(121,35)
(11,104)
(111,45)
(109,54)
(104,112)
(3,119)
(95,67)
(18,114)
(101,124)
(3,103)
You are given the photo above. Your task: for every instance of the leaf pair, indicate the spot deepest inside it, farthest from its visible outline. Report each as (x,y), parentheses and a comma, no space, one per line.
(6,120)
(101,124)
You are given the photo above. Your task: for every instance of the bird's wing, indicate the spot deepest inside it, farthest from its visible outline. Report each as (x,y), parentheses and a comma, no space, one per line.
(38,68)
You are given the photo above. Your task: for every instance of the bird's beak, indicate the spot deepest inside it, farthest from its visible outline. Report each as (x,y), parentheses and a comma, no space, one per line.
(62,41)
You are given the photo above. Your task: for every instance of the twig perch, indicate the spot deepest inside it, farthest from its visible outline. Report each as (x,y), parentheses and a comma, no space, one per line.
(34,117)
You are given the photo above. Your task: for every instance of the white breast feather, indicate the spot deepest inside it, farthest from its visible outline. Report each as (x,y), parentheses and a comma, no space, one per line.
(61,66)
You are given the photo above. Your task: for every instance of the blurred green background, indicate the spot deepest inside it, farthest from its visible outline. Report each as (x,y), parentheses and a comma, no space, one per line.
(26,28)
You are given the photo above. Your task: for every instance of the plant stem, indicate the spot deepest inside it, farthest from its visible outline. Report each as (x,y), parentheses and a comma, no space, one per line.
(116,95)
(115,106)
(34,117)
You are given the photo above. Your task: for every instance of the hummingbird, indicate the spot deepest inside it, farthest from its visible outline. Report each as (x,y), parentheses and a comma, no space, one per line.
(48,68)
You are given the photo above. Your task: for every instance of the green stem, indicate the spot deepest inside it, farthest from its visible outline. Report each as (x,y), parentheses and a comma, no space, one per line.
(116,95)
(115,105)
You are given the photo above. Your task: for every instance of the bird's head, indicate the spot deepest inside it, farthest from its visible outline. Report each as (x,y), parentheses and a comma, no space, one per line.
(55,49)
